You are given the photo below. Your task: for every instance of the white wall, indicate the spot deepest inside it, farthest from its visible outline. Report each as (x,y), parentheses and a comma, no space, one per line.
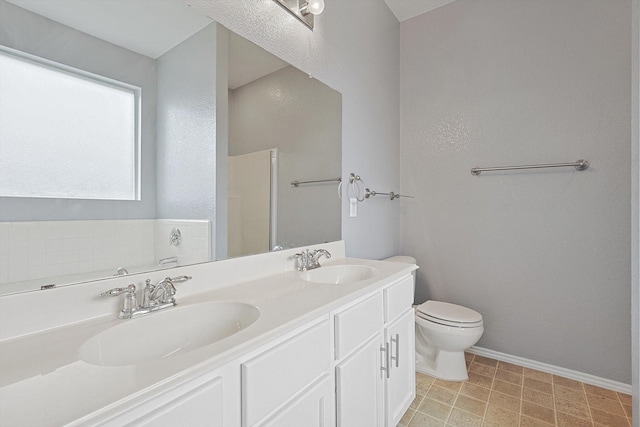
(186,148)
(353,49)
(543,255)
(249,203)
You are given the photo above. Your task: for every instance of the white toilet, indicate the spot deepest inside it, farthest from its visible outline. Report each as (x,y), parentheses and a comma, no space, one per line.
(443,332)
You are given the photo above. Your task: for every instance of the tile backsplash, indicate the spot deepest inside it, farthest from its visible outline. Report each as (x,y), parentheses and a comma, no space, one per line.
(32,250)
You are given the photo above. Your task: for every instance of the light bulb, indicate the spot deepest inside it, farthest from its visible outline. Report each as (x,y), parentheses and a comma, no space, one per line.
(315,7)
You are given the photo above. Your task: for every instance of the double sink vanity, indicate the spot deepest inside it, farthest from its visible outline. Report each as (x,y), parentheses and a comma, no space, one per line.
(251,342)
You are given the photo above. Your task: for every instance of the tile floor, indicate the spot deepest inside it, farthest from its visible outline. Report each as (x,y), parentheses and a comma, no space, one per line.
(500,394)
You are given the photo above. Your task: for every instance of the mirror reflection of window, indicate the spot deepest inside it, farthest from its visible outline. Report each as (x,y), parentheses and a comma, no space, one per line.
(186,66)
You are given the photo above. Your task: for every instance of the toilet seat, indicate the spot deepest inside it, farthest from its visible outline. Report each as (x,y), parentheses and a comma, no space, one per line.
(449,314)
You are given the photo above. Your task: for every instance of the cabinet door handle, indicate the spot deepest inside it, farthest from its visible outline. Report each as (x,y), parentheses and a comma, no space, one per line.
(396,340)
(384,360)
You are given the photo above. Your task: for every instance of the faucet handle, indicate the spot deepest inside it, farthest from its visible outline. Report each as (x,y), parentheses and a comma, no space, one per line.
(119,291)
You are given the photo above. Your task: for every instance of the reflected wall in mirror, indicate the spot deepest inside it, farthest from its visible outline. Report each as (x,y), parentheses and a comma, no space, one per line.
(196,124)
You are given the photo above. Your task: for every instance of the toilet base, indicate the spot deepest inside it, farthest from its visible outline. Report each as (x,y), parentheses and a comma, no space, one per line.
(448,366)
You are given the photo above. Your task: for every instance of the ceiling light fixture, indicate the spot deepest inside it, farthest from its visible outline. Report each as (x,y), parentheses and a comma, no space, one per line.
(303,10)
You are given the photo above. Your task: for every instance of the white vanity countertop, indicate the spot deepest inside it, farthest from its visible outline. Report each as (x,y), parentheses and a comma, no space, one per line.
(43,381)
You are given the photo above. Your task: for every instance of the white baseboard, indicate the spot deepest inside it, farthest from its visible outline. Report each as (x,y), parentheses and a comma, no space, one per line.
(551,369)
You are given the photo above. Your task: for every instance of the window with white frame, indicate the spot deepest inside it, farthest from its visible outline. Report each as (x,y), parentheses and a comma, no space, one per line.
(66,133)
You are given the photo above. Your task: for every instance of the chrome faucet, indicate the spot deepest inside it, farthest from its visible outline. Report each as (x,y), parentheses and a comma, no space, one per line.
(154,297)
(130,303)
(162,293)
(309,260)
(121,271)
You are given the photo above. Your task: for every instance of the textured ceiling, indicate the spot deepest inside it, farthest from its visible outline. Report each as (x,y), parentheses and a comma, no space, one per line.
(405,9)
(119,22)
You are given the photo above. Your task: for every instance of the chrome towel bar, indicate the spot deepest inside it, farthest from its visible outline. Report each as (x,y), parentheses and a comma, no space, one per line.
(578,164)
(297,183)
(370,193)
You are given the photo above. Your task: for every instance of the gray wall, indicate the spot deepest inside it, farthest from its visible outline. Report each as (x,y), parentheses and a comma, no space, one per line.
(353,49)
(635,211)
(34,34)
(543,255)
(186,151)
(304,122)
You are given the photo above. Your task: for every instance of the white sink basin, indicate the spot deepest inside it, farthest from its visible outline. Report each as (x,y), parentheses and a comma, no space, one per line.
(167,333)
(339,274)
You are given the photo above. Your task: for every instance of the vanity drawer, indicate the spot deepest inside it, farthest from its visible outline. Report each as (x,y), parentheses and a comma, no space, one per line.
(276,375)
(357,323)
(398,297)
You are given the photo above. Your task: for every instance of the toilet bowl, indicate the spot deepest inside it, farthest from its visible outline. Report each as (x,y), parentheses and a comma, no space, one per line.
(443,332)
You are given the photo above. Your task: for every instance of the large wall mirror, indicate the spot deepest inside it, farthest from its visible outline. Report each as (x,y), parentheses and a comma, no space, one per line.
(143,135)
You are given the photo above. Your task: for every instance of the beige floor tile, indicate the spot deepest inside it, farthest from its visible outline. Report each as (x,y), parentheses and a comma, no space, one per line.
(486,361)
(538,397)
(606,405)
(500,394)
(537,375)
(565,420)
(505,401)
(508,376)
(421,420)
(406,418)
(449,385)
(569,393)
(416,402)
(572,407)
(480,380)
(435,409)
(607,419)
(599,391)
(566,382)
(423,382)
(471,405)
(499,417)
(475,391)
(479,368)
(510,367)
(537,385)
(624,398)
(507,388)
(460,418)
(441,394)
(532,422)
(538,412)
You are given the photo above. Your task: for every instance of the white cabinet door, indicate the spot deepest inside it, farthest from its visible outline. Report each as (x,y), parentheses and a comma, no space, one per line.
(400,386)
(313,408)
(278,374)
(359,386)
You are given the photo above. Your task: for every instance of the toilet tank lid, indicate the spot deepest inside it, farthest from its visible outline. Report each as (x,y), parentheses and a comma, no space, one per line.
(401,258)
(450,312)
